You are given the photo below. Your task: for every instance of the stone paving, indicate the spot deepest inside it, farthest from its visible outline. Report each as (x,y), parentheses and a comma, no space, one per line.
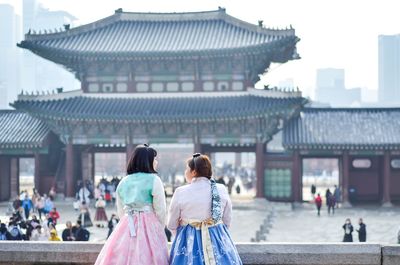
(298,224)
(247,216)
(303,225)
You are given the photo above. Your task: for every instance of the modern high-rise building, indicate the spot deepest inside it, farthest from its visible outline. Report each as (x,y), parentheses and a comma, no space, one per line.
(330,89)
(330,83)
(40,74)
(10,32)
(389,69)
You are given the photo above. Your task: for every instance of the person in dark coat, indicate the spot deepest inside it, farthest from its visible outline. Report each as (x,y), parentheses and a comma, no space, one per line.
(69,232)
(328,194)
(348,230)
(81,233)
(112,223)
(362,231)
(313,190)
(331,204)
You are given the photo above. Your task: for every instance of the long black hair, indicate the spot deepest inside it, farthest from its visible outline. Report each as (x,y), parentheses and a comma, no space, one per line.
(141,160)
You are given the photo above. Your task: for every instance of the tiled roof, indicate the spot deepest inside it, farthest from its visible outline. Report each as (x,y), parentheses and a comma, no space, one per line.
(366,128)
(20,130)
(159,109)
(146,34)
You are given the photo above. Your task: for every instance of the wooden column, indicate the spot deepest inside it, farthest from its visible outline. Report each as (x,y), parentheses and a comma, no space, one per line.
(238,160)
(297,173)
(69,170)
(14,176)
(85,166)
(92,165)
(260,168)
(345,171)
(197,148)
(386,200)
(36,176)
(129,151)
(5,185)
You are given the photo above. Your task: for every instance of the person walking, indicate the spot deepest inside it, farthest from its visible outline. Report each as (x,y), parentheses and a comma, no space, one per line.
(200,213)
(362,231)
(139,237)
(331,204)
(328,193)
(84,215)
(318,203)
(348,230)
(54,215)
(337,193)
(100,215)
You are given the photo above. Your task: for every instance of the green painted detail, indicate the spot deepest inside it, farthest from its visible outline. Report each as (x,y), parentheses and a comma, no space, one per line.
(319,152)
(164,78)
(20,151)
(228,140)
(106,78)
(366,153)
(222,77)
(278,183)
(164,140)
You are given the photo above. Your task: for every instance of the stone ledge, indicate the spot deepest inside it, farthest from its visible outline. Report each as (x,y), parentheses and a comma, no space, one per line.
(391,255)
(80,253)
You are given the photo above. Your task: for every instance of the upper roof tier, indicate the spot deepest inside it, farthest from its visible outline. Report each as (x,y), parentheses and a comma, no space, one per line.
(127,34)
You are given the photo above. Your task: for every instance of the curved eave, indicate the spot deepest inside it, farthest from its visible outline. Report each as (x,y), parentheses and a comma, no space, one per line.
(281,110)
(338,147)
(59,55)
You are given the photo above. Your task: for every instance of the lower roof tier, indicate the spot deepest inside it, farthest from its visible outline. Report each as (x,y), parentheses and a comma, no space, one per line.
(344,129)
(166,109)
(20,130)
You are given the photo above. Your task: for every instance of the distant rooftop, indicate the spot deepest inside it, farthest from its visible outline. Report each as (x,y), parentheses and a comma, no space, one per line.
(344,128)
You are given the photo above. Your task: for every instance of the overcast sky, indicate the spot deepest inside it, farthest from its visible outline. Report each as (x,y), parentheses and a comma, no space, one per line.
(334,33)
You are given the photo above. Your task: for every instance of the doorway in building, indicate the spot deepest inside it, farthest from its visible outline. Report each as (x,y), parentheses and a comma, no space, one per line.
(236,171)
(323,173)
(26,175)
(108,166)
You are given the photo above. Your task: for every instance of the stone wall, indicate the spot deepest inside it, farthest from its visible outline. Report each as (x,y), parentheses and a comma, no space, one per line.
(77,253)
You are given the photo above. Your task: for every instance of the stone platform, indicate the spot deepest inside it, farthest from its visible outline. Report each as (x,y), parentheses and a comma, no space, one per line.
(30,253)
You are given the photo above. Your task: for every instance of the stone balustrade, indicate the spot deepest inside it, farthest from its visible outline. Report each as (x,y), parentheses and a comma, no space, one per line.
(79,253)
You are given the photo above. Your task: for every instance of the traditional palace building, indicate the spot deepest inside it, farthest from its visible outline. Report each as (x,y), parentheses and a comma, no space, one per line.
(187,78)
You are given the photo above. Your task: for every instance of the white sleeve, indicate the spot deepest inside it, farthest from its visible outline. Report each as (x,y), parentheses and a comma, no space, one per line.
(227,211)
(120,207)
(159,203)
(174,212)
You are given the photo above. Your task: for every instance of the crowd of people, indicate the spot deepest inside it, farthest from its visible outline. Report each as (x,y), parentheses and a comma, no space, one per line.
(35,218)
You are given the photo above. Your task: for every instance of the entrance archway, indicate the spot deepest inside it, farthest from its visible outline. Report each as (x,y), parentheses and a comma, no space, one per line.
(321,172)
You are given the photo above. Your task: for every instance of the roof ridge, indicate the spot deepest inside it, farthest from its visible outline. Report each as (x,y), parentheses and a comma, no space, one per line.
(311,109)
(119,15)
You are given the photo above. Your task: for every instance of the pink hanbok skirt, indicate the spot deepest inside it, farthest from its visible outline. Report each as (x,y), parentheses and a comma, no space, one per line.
(148,247)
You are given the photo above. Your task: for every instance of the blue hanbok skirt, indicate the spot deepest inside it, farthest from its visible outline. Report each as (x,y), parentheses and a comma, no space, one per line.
(187,247)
